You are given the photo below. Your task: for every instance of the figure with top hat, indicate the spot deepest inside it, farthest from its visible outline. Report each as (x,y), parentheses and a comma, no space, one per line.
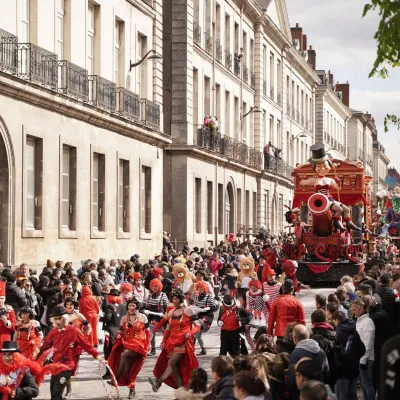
(65,340)
(7,316)
(322,164)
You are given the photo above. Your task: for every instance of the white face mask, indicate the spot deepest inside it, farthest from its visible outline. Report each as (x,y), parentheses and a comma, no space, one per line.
(246,267)
(180,274)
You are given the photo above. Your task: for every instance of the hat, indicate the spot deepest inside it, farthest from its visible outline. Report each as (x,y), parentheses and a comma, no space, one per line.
(114,292)
(157,255)
(137,275)
(270,272)
(2,288)
(228,301)
(58,311)
(318,153)
(288,284)
(10,347)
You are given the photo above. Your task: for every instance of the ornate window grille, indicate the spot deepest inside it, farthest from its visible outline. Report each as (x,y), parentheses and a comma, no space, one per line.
(73,80)
(271,93)
(197,33)
(236,64)
(218,51)
(208,43)
(253,80)
(8,52)
(151,113)
(265,88)
(102,92)
(245,74)
(128,104)
(228,60)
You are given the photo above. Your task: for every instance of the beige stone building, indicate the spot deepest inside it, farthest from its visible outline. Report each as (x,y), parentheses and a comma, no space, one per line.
(236,61)
(81,138)
(381,163)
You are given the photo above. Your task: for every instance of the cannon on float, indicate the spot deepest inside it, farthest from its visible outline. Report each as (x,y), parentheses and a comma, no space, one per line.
(331,208)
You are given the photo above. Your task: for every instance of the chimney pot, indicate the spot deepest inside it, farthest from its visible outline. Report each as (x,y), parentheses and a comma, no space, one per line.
(297,24)
(310,47)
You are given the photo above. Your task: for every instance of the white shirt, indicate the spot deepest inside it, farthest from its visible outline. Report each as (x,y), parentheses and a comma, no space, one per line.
(366,329)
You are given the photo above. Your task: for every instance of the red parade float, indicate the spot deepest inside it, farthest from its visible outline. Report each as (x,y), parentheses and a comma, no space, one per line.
(328,240)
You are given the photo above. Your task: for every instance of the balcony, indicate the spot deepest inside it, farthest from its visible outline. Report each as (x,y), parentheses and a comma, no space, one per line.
(264,88)
(271,93)
(212,140)
(277,166)
(208,43)
(128,104)
(288,109)
(245,74)
(252,80)
(197,33)
(73,80)
(228,60)
(38,65)
(102,92)
(150,114)
(8,52)
(236,65)
(218,51)
(298,116)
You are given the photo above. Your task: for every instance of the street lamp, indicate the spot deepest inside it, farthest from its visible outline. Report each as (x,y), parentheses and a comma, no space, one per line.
(300,135)
(154,56)
(242,117)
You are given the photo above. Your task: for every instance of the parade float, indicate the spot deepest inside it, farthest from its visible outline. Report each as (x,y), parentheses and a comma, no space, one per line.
(331,207)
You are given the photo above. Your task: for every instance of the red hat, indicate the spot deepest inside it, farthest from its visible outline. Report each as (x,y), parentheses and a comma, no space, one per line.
(270,271)
(255,282)
(137,275)
(2,288)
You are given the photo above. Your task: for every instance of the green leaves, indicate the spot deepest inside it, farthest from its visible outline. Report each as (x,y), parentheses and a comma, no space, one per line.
(392,119)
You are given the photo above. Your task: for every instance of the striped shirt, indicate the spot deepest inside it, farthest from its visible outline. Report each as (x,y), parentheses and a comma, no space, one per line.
(205,300)
(157,303)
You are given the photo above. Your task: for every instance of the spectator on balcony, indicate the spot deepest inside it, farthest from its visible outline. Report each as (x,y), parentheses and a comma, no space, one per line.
(206,121)
(268,154)
(277,153)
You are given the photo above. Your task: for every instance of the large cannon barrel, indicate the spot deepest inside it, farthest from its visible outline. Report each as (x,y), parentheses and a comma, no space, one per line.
(319,206)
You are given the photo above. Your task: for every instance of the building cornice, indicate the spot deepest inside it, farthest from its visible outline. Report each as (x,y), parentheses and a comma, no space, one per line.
(334,100)
(302,66)
(143,7)
(56,102)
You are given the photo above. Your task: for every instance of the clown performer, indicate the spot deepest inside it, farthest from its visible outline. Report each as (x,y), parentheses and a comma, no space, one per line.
(246,274)
(65,340)
(28,333)
(7,316)
(289,269)
(256,301)
(140,293)
(131,347)
(177,359)
(322,164)
(155,308)
(183,280)
(272,288)
(204,300)
(126,292)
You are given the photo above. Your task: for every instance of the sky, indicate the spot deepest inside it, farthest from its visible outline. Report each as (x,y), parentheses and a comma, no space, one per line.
(345,45)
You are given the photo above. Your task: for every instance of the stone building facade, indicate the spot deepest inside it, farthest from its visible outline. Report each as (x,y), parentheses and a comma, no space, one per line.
(81,139)
(380,166)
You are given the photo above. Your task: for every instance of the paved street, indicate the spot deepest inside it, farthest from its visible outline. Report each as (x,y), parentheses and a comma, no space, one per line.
(87,384)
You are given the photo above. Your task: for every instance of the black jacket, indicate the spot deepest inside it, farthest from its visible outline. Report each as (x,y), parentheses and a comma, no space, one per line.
(224,389)
(28,388)
(15,297)
(387,295)
(113,314)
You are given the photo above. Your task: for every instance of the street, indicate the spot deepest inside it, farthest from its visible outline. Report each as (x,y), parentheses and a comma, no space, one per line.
(87,384)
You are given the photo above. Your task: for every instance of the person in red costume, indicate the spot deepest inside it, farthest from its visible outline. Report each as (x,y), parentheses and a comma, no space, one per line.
(270,256)
(177,359)
(66,340)
(90,309)
(7,316)
(28,333)
(130,348)
(289,268)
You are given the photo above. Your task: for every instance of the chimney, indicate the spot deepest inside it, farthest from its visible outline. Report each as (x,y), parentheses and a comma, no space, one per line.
(312,58)
(331,82)
(345,89)
(304,42)
(297,34)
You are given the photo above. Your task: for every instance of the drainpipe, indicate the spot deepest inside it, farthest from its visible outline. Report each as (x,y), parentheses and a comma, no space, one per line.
(216,202)
(241,72)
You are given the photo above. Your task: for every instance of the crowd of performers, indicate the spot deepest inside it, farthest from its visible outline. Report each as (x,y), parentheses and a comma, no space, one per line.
(47,322)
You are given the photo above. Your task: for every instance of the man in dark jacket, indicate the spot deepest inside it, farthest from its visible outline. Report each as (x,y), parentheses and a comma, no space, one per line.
(15,296)
(388,300)
(349,350)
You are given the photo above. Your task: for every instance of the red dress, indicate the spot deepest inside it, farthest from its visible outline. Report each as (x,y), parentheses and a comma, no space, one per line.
(135,337)
(29,339)
(90,309)
(5,333)
(175,342)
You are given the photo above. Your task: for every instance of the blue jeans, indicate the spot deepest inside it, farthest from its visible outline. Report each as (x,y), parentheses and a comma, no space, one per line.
(367,382)
(345,389)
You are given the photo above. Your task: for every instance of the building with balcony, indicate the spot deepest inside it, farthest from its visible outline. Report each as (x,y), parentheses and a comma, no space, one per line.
(394,178)
(234,61)
(81,132)
(380,166)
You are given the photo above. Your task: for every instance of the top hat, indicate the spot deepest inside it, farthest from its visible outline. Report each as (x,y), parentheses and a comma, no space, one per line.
(58,311)
(318,153)
(114,292)
(10,347)
(228,301)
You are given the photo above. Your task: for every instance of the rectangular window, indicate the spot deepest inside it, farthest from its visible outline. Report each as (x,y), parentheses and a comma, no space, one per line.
(24,36)
(59,45)
(251,54)
(288,89)
(278,76)
(33,187)
(90,39)
(271,71)
(218,22)
(227,130)
(239,207)
(236,44)
(254,211)
(244,45)
(197,200)
(271,130)
(196,119)
(227,33)
(218,99)
(117,46)
(237,117)
(98,192)
(68,188)
(220,208)
(264,57)
(123,196)
(244,121)
(209,207)
(278,134)
(146,200)
(267,209)
(247,207)
(141,73)
(207,100)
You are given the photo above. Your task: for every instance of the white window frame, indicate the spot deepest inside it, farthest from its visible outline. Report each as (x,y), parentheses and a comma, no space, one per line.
(25,11)
(90,38)
(117,47)
(59,35)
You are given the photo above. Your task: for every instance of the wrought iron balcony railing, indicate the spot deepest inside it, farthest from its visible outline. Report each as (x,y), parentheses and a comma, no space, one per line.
(228,60)
(197,33)
(73,80)
(37,65)
(252,80)
(271,93)
(277,166)
(264,88)
(208,43)
(8,52)
(245,74)
(211,140)
(128,104)
(218,51)
(288,109)
(102,92)
(236,65)
(151,113)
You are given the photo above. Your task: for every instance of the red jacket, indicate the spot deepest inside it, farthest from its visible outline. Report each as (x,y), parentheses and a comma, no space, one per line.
(264,276)
(229,318)
(215,266)
(88,304)
(284,310)
(270,258)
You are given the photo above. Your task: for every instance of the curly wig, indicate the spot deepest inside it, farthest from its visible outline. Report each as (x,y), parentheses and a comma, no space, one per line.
(126,288)
(178,294)
(156,282)
(202,284)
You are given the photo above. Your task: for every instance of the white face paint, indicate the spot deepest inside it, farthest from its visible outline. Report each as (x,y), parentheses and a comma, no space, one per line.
(180,274)
(246,267)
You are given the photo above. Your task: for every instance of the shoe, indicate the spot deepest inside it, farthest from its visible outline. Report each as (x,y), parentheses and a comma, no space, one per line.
(152,352)
(202,352)
(155,384)
(106,376)
(111,383)
(131,394)
(338,225)
(350,225)
(67,396)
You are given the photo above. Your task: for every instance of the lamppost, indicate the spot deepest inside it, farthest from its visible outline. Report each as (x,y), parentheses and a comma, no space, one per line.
(154,56)
(300,135)
(242,117)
